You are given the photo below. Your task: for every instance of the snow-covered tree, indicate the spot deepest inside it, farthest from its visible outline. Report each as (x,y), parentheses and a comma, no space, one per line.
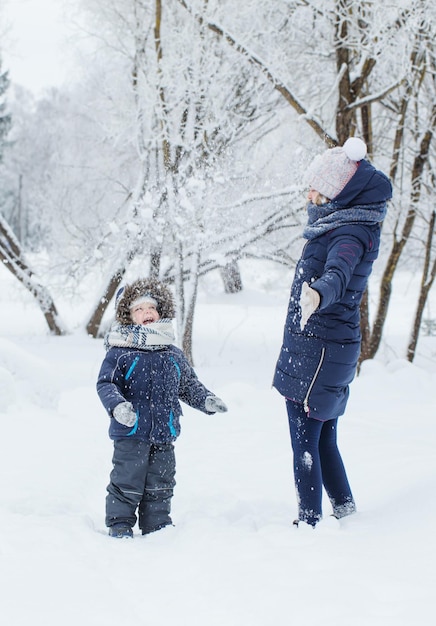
(12,256)
(5,117)
(369,65)
(184,146)
(190,109)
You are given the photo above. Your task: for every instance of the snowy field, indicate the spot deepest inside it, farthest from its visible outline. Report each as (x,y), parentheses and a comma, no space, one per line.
(233,557)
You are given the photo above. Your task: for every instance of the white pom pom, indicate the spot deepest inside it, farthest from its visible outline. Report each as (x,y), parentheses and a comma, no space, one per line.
(355,149)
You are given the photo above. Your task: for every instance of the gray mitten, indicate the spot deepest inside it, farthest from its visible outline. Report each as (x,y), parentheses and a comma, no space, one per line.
(124,414)
(214,405)
(309,302)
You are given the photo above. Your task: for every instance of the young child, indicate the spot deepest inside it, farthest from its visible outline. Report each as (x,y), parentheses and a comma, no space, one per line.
(142,378)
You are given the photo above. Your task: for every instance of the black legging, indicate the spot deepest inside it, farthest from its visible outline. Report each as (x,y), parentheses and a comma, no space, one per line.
(317,462)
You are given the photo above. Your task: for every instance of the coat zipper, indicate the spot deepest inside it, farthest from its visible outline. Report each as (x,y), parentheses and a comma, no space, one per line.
(131,368)
(312,382)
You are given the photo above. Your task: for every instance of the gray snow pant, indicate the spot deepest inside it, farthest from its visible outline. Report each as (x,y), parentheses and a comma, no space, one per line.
(142,479)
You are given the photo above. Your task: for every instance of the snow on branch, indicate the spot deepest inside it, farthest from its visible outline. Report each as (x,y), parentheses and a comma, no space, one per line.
(275,81)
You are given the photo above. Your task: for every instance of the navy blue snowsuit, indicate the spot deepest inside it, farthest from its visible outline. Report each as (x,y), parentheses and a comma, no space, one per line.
(143,463)
(317,364)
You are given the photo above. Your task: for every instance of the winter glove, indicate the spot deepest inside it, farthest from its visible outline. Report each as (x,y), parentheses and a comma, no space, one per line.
(124,414)
(309,302)
(214,405)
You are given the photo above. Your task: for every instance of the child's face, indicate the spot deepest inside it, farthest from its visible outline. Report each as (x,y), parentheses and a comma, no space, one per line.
(144,313)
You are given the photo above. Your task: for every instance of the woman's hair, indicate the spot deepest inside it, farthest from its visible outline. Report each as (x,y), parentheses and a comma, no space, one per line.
(320,199)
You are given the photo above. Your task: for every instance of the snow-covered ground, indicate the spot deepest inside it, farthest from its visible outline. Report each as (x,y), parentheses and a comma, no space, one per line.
(233,557)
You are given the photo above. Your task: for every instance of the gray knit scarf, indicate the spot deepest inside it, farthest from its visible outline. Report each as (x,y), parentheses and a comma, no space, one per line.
(325,217)
(153,336)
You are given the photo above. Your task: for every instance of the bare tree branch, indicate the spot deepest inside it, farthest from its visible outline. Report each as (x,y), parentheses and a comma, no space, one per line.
(278,84)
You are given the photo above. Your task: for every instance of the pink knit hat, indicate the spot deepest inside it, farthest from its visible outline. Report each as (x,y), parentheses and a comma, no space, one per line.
(331,171)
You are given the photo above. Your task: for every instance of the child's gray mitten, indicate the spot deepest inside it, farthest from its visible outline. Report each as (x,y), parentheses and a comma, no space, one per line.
(124,414)
(213,404)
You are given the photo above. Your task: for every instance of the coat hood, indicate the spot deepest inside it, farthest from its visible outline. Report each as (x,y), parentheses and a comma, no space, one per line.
(367,186)
(144,287)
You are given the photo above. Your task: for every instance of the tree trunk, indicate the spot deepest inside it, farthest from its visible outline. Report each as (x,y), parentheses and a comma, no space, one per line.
(365,328)
(426,284)
(343,113)
(94,324)
(190,304)
(12,259)
(231,277)
(187,344)
(398,245)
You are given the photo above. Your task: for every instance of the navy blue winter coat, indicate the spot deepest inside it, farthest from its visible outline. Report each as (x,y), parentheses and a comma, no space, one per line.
(316,365)
(153,381)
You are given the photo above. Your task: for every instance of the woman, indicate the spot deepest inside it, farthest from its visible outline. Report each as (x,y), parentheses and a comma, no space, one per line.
(321,341)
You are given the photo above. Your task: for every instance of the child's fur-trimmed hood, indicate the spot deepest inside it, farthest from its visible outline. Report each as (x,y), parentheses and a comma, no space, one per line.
(144,287)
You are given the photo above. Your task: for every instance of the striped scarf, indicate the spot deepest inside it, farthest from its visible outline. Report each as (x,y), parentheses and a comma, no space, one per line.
(153,336)
(325,217)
